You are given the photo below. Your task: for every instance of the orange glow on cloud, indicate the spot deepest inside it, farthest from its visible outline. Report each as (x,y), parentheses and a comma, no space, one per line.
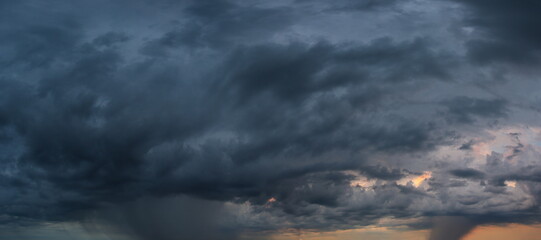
(269,202)
(362,182)
(420,179)
(512,184)
(481,149)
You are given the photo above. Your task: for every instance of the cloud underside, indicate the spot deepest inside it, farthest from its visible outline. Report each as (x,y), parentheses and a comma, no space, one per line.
(269,116)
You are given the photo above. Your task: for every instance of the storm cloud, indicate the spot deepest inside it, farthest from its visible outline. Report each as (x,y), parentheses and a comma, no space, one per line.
(236,118)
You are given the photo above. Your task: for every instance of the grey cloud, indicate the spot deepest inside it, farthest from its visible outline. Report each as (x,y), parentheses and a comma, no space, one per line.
(509,32)
(95,129)
(467,145)
(219,24)
(467,173)
(110,38)
(381,172)
(463,109)
(237,105)
(349,5)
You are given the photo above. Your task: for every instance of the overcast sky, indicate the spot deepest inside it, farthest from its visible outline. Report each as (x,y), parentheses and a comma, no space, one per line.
(255,119)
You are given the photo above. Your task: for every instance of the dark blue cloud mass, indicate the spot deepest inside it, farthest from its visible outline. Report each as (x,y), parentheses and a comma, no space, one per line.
(214,119)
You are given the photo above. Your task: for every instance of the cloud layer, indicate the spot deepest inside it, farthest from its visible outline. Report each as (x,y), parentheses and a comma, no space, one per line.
(268,116)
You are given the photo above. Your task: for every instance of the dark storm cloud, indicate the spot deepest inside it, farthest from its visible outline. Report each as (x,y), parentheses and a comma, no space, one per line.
(368,4)
(219,24)
(349,5)
(467,173)
(110,38)
(380,172)
(292,71)
(240,107)
(510,31)
(466,146)
(463,109)
(100,128)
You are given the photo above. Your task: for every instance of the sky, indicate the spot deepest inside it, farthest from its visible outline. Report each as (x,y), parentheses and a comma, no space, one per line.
(270,120)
